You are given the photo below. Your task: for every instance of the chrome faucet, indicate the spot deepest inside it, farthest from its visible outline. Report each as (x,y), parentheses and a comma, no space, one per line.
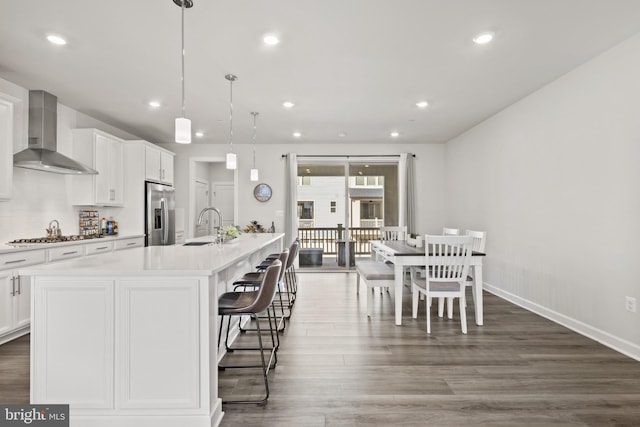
(219,228)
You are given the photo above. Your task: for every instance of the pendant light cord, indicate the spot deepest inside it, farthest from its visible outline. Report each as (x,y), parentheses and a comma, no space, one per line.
(231,114)
(183,100)
(254,138)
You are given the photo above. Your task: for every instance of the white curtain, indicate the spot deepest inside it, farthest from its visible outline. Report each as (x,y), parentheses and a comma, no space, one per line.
(406,196)
(291,215)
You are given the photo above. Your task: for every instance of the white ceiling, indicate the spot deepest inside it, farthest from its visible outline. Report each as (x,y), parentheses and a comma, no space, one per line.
(353,66)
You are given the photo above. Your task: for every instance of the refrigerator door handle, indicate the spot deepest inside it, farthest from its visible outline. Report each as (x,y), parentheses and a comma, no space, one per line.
(165,221)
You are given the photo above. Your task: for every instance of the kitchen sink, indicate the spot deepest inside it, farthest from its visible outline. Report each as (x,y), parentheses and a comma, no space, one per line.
(197,243)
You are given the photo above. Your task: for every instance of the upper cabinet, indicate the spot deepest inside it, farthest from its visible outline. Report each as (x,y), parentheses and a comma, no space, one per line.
(104,153)
(7,136)
(158,164)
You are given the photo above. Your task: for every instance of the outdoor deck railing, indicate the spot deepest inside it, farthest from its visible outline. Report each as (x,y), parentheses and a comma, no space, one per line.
(326,237)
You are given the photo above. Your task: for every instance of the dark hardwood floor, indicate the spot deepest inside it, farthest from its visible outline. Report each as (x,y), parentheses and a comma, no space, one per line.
(339,368)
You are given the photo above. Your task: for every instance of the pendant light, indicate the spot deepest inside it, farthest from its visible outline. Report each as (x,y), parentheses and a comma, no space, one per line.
(183,125)
(231,157)
(254,172)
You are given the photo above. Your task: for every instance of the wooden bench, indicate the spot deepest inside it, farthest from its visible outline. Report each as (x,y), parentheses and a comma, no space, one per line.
(310,257)
(373,274)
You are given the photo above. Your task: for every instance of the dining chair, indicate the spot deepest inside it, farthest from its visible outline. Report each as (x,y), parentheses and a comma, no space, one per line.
(446,231)
(446,270)
(478,243)
(392,232)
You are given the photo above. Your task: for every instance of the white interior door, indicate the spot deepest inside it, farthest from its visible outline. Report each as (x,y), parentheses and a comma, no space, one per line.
(202,201)
(223,195)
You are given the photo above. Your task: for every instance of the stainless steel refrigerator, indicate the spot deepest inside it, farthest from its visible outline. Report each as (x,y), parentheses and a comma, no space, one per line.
(159,215)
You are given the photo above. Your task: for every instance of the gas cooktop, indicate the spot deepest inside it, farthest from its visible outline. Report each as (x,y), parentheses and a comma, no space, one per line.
(58,239)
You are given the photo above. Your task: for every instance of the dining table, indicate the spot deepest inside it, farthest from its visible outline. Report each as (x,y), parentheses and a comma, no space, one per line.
(402,255)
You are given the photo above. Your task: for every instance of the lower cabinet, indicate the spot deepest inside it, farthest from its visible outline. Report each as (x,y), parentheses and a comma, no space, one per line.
(76,346)
(130,243)
(139,335)
(14,302)
(15,293)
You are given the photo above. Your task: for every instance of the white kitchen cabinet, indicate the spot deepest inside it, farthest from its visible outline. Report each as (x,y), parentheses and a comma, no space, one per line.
(158,164)
(15,293)
(80,314)
(65,252)
(8,108)
(104,153)
(97,248)
(130,243)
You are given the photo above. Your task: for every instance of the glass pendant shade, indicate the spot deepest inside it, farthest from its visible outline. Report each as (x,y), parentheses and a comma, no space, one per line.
(183,130)
(231,161)
(254,175)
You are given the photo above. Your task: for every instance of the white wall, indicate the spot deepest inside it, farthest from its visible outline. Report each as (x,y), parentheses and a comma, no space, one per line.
(429,168)
(554,180)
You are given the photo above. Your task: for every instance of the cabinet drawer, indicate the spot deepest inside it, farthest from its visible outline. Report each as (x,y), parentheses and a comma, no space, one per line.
(21,259)
(129,243)
(65,252)
(96,248)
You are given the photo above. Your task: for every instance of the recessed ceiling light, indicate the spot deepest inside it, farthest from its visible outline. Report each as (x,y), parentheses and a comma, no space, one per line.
(199,134)
(288,104)
(342,134)
(271,39)
(422,104)
(395,134)
(483,38)
(154,104)
(56,39)
(297,134)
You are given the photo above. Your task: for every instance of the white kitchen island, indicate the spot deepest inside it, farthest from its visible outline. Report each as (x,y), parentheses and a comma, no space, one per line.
(129,338)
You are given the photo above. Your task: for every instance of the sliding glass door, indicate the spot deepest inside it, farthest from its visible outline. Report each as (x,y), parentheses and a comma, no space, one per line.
(341,206)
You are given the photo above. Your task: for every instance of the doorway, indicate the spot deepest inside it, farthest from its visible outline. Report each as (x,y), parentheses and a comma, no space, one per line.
(211,184)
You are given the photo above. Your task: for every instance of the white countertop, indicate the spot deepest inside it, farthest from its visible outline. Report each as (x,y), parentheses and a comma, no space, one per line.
(17,247)
(175,260)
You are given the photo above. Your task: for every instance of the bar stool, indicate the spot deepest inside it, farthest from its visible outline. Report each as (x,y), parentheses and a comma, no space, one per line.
(251,303)
(290,278)
(254,279)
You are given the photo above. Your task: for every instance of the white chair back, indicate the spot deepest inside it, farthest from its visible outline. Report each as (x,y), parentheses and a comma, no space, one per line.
(393,233)
(449,258)
(446,231)
(479,239)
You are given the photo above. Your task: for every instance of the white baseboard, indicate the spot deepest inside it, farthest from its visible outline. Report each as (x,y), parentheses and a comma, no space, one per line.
(14,334)
(618,344)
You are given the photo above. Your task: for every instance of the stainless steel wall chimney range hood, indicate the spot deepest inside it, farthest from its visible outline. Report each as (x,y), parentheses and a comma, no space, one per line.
(43,127)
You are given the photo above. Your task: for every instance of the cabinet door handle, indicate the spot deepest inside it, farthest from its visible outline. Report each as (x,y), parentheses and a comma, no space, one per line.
(15,261)
(112,194)
(102,248)
(70,253)
(13,286)
(17,279)
(131,244)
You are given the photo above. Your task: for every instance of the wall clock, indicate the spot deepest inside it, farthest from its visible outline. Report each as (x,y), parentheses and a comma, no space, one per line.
(262,192)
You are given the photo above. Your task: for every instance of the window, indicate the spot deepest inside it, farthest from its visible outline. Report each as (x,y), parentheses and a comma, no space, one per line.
(371,209)
(304,180)
(333,206)
(305,210)
(369,180)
